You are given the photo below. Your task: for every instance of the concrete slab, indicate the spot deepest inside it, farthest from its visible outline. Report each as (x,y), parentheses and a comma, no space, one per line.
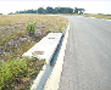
(45,48)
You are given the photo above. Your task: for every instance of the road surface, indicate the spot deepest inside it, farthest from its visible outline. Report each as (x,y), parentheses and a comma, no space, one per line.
(87,63)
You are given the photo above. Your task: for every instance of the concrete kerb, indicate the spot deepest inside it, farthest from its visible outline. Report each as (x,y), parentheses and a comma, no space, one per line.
(52,82)
(41,78)
(65,29)
(45,72)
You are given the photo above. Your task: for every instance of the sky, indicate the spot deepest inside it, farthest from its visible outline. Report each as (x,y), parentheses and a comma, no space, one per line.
(91,6)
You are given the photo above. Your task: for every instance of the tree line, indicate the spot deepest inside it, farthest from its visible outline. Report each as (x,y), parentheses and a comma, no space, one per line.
(51,10)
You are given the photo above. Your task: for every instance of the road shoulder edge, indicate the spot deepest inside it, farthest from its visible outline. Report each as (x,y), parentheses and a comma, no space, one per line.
(52,82)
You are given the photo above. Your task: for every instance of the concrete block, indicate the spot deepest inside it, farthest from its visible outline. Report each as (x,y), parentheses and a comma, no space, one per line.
(45,48)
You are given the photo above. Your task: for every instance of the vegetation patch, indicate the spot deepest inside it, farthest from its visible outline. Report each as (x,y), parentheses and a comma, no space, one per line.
(101,16)
(17,73)
(14,38)
(31,27)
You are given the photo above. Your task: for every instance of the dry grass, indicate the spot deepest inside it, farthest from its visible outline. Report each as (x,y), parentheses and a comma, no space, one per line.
(13,26)
(13,29)
(107,17)
(23,18)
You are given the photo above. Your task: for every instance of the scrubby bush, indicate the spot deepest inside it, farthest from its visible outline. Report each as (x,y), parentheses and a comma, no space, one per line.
(31,27)
(10,70)
(15,70)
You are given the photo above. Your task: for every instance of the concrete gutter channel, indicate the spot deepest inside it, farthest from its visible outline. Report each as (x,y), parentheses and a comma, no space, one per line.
(46,49)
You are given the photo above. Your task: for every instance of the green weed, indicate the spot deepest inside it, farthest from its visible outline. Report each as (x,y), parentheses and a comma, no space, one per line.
(18,70)
(31,27)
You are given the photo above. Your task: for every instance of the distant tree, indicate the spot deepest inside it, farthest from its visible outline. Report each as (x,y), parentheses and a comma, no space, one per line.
(63,10)
(79,10)
(68,10)
(100,13)
(30,11)
(56,10)
(76,10)
(1,14)
(49,10)
(10,13)
(41,10)
(26,11)
(16,12)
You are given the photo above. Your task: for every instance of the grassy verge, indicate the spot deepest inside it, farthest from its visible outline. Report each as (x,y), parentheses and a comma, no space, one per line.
(13,26)
(17,73)
(101,16)
(14,39)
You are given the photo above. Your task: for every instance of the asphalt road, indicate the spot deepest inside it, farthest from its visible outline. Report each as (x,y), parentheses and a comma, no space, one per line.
(87,63)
